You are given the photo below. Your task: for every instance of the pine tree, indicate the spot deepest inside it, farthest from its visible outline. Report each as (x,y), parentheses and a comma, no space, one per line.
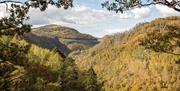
(69,77)
(91,80)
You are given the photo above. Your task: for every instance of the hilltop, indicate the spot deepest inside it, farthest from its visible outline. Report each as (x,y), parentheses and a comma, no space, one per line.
(73,39)
(61,32)
(123,64)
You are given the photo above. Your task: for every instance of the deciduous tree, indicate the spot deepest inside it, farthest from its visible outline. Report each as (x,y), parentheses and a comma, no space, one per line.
(123,5)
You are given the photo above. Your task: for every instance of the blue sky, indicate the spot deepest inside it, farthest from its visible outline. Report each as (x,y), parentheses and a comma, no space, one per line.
(87,16)
(92,3)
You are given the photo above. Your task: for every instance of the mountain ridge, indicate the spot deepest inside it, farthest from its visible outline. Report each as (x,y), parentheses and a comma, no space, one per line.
(70,37)
(125,65)
(67,33)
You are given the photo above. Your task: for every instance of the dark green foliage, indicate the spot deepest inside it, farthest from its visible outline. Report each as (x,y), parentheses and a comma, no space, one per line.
(14,24)
(69,76)
(11,50)
(12,56)
(9,26)
(123,5)
(91,80)
(120,5)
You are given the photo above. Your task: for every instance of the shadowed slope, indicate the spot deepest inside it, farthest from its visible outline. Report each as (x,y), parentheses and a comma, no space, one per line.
(47,42)
(68,36)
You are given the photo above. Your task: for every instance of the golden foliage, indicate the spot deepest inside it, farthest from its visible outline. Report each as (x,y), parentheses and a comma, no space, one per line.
(125,65)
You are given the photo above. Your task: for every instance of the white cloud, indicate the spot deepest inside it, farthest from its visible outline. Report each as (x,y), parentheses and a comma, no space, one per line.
(93,21)
(125,15)
(112,31)
(3,11)
(166,11)
(141,12)
(80,15)
(83,18)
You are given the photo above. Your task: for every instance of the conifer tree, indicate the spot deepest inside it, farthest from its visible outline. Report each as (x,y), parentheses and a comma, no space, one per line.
(91,80)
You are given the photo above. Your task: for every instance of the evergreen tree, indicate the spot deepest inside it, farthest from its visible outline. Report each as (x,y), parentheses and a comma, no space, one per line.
(69,76)
(90,80)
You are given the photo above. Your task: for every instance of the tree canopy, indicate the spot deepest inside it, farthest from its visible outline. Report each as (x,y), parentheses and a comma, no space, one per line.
(123,5)
(165,40)
(156,40)
(14,24)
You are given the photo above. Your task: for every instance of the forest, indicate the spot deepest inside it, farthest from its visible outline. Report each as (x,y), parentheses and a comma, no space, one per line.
(60,58)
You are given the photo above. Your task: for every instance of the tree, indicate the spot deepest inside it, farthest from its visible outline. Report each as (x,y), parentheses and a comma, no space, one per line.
(14,24)
(90,80)
(12,58)
(122,5)
(15,72)
(69,76)
(164,39)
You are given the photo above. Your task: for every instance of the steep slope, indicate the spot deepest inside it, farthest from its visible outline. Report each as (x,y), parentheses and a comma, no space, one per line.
(48,43)
(124,65)
(69,36)
(27,67)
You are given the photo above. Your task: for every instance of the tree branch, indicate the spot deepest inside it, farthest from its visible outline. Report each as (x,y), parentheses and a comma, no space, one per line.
(176,9)
(123,5)
(9,1)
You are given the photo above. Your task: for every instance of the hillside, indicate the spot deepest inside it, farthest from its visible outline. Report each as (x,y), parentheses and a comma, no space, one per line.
(124,65)
(68,36)
(28,67)
(47,42)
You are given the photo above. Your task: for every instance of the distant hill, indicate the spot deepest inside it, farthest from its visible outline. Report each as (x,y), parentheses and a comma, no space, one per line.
(62,32)
(68,36)
(124,65)
(48,43)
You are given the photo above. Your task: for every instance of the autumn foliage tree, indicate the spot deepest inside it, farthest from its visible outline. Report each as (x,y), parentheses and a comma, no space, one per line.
(15,70)
(158,40)
(26,67)
(166,39)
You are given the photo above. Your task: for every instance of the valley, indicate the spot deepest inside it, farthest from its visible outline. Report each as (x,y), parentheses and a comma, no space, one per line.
(59,58)
(125,65)
(73,39)
(89,45)
(119,60)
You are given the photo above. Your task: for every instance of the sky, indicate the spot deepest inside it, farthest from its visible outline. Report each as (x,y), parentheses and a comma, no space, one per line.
(88,16)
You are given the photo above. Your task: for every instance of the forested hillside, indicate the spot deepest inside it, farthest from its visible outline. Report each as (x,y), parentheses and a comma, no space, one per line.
(27,67)
(68,36)
(145,58)
(124,64)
